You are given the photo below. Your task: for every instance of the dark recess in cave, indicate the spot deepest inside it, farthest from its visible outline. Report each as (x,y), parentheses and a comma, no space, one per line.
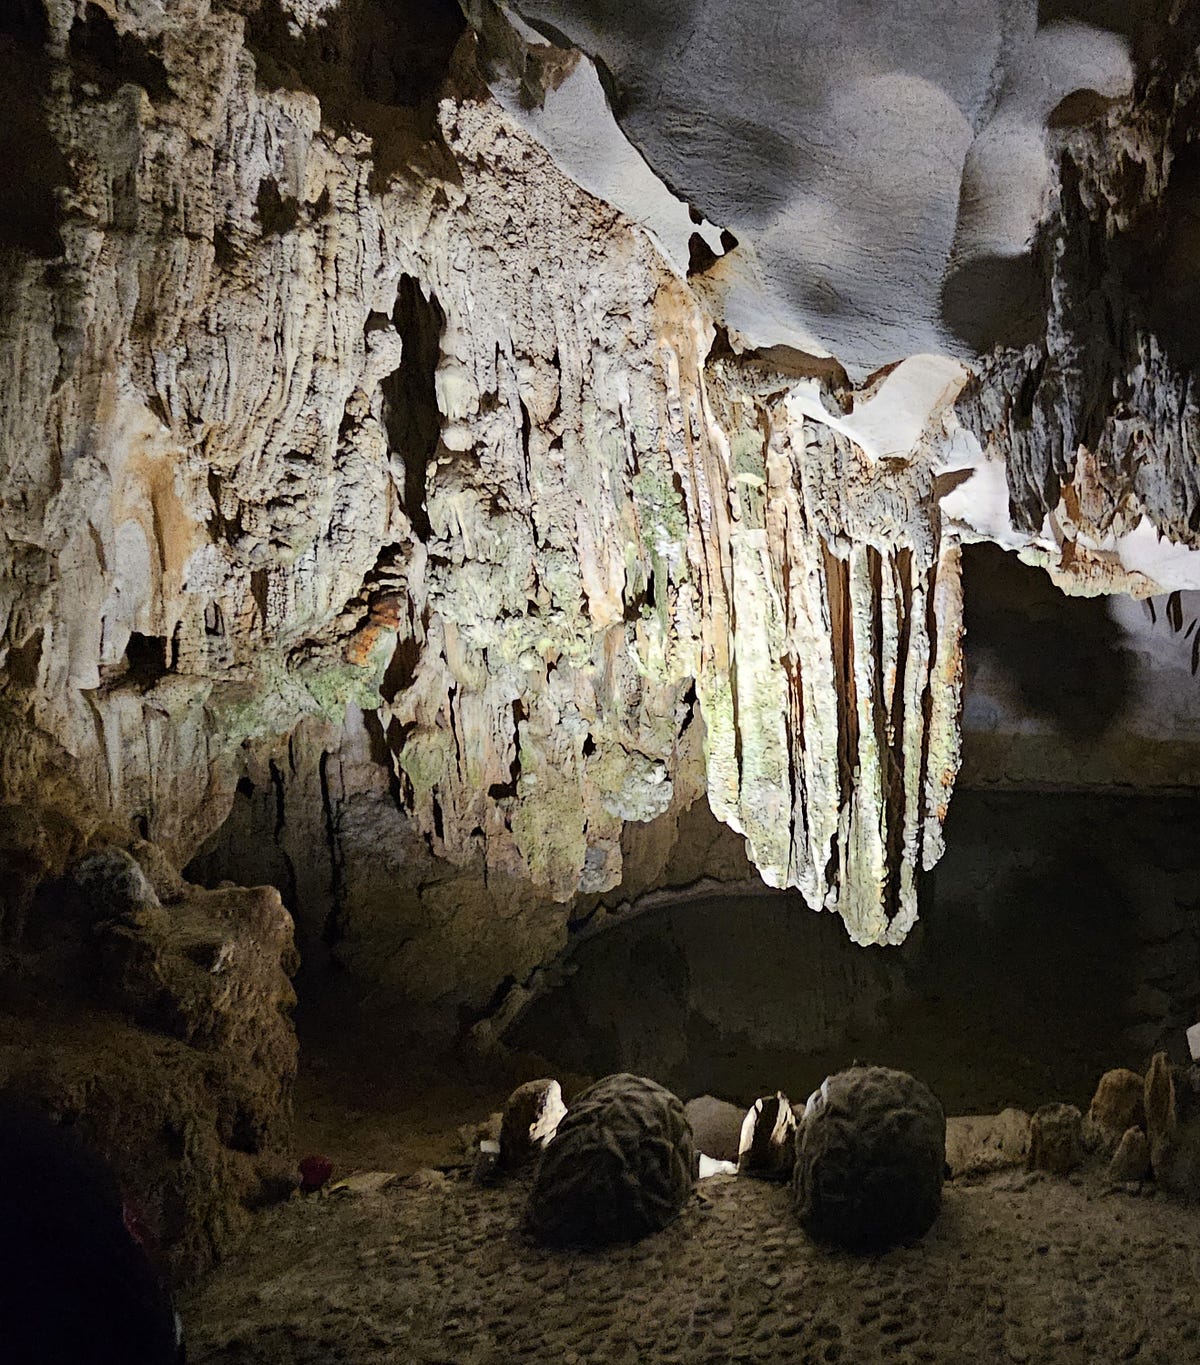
(374,66)
(1162,266)
(277,213)
(110,59)
(148,658)
(31,165)
(1039,961)
(1062,653)
(410,408)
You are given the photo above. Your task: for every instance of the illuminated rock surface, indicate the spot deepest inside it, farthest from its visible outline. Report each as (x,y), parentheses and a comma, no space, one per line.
(443,449)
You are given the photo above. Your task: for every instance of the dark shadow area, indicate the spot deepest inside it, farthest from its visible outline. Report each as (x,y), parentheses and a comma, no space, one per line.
(1046,953)
(31,165)
(1162,265)
(1120,16)
(374,66)
(996,301)
(410,408)
(1062,654)
(109,59)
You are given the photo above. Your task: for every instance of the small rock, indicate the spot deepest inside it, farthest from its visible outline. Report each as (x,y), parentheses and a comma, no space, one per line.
(715,1126)
(531,1118)
(1131,1160)
(1055,1142)
(766,1147)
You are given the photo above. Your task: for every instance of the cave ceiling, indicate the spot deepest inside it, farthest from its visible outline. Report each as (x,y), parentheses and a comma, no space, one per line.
(561,411)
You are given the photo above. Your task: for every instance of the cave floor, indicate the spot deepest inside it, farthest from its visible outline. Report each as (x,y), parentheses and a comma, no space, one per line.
(433,1268)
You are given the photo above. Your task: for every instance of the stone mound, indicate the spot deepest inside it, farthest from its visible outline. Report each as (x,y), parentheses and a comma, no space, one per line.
(870,1159)
(620,1166)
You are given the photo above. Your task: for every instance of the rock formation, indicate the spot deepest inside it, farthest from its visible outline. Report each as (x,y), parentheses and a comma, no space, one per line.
(442,444)
(620,1166)
(870,1159)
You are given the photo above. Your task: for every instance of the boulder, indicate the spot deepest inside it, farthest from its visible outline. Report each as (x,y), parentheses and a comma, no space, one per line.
(870,1159)
(620,1166)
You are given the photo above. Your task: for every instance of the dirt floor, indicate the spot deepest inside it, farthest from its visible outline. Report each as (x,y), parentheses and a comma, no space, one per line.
(1020,1267)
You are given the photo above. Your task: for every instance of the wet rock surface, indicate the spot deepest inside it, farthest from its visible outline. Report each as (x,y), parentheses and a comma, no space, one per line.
(1019,1267)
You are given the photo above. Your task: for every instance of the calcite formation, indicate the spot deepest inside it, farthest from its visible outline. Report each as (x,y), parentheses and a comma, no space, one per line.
(383,441)
(314,408)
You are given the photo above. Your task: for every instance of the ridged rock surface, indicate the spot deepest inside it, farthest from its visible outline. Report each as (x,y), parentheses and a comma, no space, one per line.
(306,416)
(620,1166)
(870,1159)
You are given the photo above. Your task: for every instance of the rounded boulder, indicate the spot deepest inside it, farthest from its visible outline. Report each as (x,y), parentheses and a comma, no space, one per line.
(870,1159)
(621,1165)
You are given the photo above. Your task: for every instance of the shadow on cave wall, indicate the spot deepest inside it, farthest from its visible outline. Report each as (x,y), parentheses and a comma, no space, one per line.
(374,66)
(1057,938)
(1061,655)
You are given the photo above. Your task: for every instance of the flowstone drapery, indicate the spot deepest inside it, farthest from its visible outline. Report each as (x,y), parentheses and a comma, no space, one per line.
(458,448)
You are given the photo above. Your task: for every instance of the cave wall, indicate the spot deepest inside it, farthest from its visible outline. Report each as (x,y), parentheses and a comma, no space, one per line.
(333,393)
(1058,938)
(379,498)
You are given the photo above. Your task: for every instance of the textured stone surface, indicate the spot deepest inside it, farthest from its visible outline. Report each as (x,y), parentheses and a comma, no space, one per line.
(1091,420)
(155,1018)
(870,1159)
(767,1147)
(620,1166)
(882,170)
(1172,1100)
(1131,1157)
(1117,1106)
(531,1117)
(314,410)
(1056,1139)
(1019,1268)
(373,486)
(979,1143)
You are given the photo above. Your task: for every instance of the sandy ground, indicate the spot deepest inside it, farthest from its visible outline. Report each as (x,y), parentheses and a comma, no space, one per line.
(432,1269)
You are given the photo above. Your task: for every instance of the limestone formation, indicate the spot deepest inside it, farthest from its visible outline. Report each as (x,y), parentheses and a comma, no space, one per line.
(154,1018)
(767,1146)
(870,1159)
(531,1117)
(620,1166)
(1056,1139)
(1172,1100)
(1117,1106)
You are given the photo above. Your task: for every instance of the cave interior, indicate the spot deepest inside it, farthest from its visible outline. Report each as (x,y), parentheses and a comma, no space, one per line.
(573,540)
